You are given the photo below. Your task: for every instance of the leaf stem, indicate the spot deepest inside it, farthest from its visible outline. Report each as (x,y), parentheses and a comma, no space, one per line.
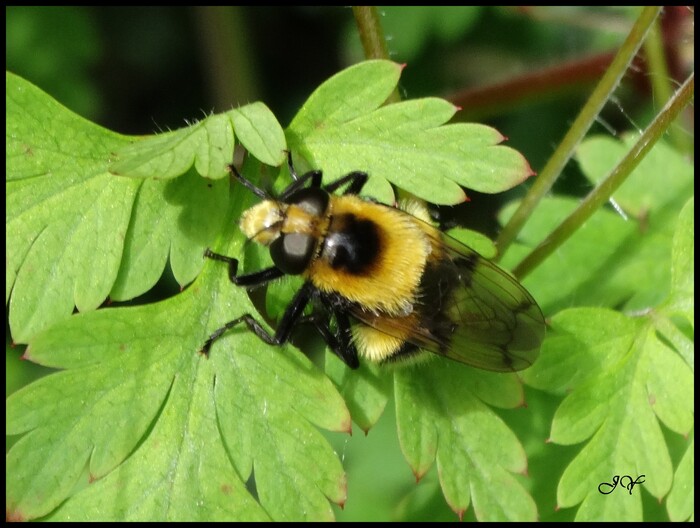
(543,183)
(617,176)
(661,81)
(372,37)
(224,42)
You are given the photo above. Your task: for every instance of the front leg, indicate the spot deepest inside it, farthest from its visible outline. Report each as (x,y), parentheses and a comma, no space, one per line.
(291,316)
(256,278)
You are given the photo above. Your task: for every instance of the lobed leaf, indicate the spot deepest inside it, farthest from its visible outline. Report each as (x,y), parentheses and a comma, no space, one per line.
(66,217)
(680,503)
(402,143)
(441,417)
(682,299)
(141,410)
(260,133)
(634,382)
(208,144)
(365,391)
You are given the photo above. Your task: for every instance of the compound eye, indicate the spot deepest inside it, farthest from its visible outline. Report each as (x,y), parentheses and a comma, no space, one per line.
(312,199)
(292,252)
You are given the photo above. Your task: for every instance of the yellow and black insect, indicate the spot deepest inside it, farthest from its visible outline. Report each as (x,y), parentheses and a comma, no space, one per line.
(386,283)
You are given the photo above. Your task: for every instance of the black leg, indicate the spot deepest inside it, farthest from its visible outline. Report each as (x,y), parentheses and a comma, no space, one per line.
(345,348)
(293,312)
(346,351)
(299,181)
(252,324)
(340,343)
(257,191)
(314,176)
(256,278)
(290,164)
(284,330)
(357,181)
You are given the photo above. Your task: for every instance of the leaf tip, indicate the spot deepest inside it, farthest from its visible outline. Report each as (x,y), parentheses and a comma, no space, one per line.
(13,516)
(419,475)
(343,495)
(529,171)
(522,403)
(346,426)
(26,356)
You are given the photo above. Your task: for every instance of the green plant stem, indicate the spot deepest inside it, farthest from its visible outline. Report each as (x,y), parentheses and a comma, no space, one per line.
(658,72)
(578,129)
(224,39)
(617,176)
(371,33)
(661,80)
(372,37)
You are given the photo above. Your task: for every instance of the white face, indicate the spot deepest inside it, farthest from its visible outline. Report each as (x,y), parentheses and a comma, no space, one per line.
(262,222)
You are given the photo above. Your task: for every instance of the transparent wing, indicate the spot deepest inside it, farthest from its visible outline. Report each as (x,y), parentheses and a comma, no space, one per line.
(469,310)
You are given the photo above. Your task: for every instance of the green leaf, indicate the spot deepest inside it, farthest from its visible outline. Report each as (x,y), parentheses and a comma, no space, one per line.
(621,378)
(633,267)
(181,472)
(66,216)
(578,348)
(581,267)
(475,240)
(629,381)
(654,202)
(208,144)
(365,390)
(681,301)
(402,143)
(260,133)
(441,416)
(92,415)
(132,369)
(170,220)
(644,192)
(76,233)
(681,503)
(683,265)
(352,93)
(85,423)
(93,423)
